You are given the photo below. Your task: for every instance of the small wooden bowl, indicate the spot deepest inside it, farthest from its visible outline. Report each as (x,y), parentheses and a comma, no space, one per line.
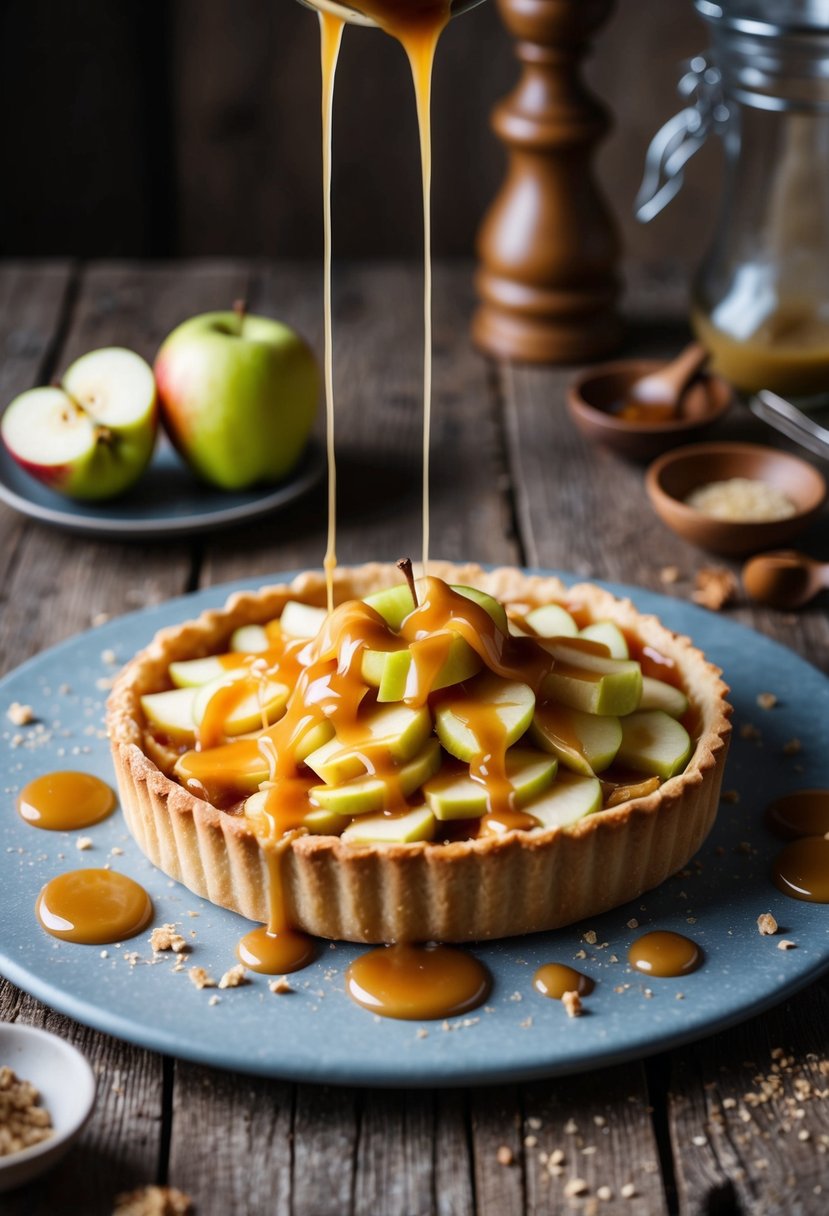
(594,393)
(672,477)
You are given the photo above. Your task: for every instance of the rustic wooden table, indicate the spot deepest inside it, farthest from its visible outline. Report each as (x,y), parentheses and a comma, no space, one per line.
(699,1130)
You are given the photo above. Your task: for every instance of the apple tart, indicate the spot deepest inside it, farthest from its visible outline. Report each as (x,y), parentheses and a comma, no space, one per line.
(478,755)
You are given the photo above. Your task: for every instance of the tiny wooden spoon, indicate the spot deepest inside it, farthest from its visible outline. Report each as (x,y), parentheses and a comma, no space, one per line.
(785,578)
(665,389)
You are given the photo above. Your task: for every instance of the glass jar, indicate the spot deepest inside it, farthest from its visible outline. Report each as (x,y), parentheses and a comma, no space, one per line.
(760,300)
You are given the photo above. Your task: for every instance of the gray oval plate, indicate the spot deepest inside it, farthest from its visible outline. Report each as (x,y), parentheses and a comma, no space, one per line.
(317,1033)
(168,501)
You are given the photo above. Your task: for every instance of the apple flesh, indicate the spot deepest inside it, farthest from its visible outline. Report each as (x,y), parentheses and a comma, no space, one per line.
(396,731)
(653,742)
(551,621)
(496,705)
(365,795)
(585,743)
(458,796)
(656,694)
(406,828)
(91,437)
(607,633)
(593,682)
(238,397)
(568,800)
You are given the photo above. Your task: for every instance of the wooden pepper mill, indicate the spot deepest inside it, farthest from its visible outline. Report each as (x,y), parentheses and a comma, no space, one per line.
(548,248)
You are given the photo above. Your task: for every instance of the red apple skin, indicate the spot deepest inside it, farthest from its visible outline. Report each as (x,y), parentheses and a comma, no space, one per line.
(238,397)
(54,476)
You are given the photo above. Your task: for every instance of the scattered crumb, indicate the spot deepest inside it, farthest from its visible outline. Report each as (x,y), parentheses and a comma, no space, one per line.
(420,1033)
(570,1128)
(235,977)
(599,1120)
(628,1191)
(749,731)
(104,954)
(576,1186)
(557,1156)
(581,954)
(535,1123)
(20,715)
(729,1103)
(766,924)
(115,851)
(214,1000)
(766,700)
(132,957)
(699,1141)
(99,618)
(23,1121)
(731,796)
(165,937)
(83,843)
(804,1134)
(572,1003)
(530,1141)
(590,937)
(281,986)
(633,923)
(504,1155)
(792,748)
(785,944)
(714,587)
(109,657)
(669,575)
(153,1201)
(201,978)
(604,1193)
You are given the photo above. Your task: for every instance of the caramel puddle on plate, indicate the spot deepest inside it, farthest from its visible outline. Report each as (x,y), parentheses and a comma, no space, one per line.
(802,870)
(276,952)
(65,801)
(554,979)
(665,954)
(93,907)
(416,983)
(803,813)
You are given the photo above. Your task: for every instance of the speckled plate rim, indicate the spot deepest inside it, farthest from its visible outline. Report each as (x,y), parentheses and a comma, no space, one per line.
(395,1063)
(211,518)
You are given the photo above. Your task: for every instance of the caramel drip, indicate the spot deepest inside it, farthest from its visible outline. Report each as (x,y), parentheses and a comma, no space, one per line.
(497,822)
(554,979)
(665,954)
(93,907)
(331,32)
(417,983)
(275,953)
(65,801)
(803,813)
(556,724)
(801,870)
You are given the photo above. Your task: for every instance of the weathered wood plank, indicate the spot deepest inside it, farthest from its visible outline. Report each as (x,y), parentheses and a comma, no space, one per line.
(230,1146)
(395,1156)
(749,1114)
(121,1145)
(594,1141)
(326,1127)
(378,380)
(495,1125)
(454,1193)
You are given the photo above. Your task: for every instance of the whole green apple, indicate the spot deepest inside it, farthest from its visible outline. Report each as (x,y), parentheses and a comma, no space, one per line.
(91,436)
(238,395)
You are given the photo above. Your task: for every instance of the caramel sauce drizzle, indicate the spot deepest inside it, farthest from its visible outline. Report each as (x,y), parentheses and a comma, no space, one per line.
(802,813)
(417,983)
(554,979)
(801,870)
(65,801)
(93,907)
(665,954)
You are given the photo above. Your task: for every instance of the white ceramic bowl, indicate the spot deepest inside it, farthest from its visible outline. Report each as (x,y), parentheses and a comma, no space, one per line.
(67,1089)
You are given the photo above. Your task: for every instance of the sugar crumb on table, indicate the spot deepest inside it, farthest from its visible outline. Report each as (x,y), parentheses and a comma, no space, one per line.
(572,1003)
(714,587)
(234,977)
(281,986)
(766,924)
(201,978)
(20,715)
(166,937)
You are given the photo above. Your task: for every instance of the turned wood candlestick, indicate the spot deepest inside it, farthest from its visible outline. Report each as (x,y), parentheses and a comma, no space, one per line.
(548,248)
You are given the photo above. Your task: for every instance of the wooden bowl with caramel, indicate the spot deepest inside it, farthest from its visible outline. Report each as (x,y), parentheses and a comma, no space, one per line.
(595,396)
(677,477)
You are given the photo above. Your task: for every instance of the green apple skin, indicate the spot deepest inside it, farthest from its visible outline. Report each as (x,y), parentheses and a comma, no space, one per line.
(238,397)
(608,634)
(366,795)
(529,772)
(417,824)
(512,703)
(585,743)
(656,694)
(653,742)
(105,455)
(569,799)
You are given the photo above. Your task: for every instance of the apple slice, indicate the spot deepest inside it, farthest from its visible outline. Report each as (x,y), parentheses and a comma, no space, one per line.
(490,703)
(399,678)
(607,633)
(568,800)
(405,828)
(242,765)
(593,682)
(653,742)
(171,712)
(92,437)
(551,621)
(585,743)
(320,822)
(656,694)
(191,673)
(365,795)
(257,701)
(249,639)
(457,796)
(393,603)
(300,620)
(396,730)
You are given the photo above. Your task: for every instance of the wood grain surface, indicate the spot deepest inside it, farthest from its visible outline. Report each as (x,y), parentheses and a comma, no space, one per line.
(735,1124)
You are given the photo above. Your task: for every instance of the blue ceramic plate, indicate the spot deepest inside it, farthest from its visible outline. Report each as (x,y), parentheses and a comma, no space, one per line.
(316,1033)
(168,500)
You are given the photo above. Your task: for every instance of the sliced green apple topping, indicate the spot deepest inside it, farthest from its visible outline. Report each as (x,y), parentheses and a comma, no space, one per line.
(417,714)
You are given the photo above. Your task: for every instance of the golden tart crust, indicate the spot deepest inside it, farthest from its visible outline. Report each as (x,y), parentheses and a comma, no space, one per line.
(468,890)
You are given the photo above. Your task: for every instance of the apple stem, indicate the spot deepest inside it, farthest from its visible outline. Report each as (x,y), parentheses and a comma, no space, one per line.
(405,567)
(240,307)
(103,434)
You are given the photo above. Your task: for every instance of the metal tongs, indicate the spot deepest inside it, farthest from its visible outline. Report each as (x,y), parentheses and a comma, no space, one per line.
(790,421)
